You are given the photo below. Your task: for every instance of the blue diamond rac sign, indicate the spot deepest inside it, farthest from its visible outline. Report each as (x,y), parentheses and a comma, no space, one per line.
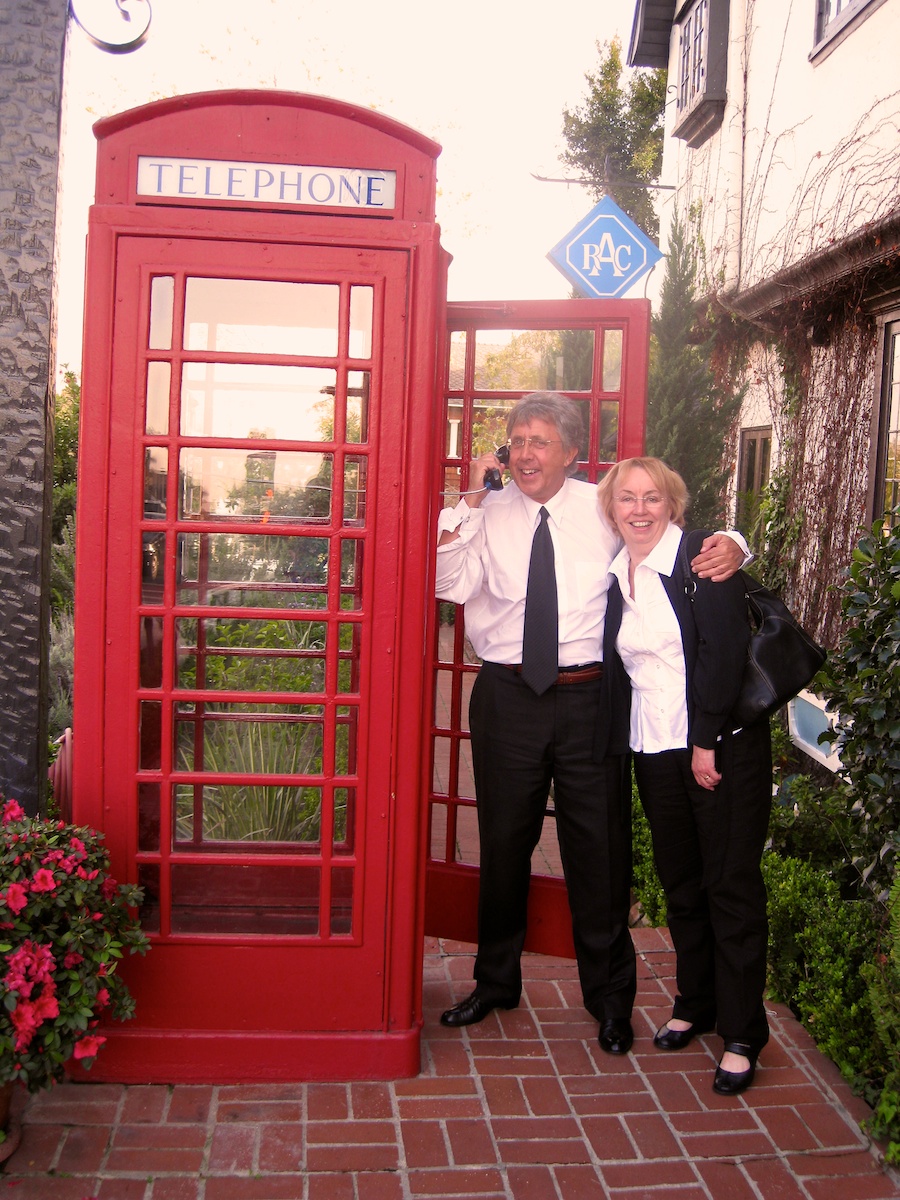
(605,253)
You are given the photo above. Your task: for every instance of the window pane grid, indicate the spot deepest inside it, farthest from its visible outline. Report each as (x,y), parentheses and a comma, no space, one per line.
(489,368)
(833,15)
(693,56)
(247,751)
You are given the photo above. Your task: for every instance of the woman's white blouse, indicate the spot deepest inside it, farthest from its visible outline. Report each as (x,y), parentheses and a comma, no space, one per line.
(649,643)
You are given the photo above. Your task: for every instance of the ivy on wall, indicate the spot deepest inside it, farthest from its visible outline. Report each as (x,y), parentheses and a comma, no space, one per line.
(815,368)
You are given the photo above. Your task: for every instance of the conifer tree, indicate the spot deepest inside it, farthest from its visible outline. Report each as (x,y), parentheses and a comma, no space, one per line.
(688,414)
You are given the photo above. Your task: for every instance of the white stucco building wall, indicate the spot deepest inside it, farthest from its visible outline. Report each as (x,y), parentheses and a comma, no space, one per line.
(782,145)
(807,152)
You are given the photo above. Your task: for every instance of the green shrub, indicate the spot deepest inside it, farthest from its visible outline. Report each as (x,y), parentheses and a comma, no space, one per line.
(62,628)
(862,684)
(834,957)
(62,672)
(645,881)
(882,978)
(818,946)
(62,569)
(811,821)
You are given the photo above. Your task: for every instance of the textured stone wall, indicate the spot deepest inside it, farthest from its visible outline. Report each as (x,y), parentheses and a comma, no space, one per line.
(32,41)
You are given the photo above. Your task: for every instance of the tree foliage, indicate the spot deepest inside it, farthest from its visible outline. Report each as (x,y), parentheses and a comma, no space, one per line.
(688,413)
(615,138)
(62,552)
(65,453)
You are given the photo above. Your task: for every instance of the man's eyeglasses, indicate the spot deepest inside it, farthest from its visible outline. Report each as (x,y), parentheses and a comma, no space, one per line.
(533,443)
(652,500)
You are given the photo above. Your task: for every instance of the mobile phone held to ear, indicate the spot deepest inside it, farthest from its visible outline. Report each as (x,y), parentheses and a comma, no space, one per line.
(492,478)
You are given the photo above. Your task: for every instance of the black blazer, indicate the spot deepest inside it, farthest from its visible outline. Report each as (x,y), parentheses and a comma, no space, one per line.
(715,633)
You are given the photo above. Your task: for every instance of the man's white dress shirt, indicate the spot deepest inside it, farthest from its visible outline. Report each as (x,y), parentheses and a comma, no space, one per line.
(486,569)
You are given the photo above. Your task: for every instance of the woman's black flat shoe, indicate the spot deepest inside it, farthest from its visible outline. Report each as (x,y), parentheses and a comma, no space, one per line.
(677,1039)
(732,1083)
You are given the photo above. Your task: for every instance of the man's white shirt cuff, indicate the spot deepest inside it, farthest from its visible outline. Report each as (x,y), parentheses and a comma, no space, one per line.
(450,519)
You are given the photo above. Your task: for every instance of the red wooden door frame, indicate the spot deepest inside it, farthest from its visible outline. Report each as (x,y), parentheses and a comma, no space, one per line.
(451,892)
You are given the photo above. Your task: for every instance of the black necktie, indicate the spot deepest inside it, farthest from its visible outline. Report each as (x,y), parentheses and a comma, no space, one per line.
(540,643)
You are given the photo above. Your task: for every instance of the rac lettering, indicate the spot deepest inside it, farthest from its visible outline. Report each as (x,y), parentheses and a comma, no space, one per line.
(607,252)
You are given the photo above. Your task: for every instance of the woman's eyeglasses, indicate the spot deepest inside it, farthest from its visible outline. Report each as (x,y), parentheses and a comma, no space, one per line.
(651,500)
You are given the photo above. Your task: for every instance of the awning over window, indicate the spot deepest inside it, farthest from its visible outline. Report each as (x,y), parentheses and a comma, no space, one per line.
(650,33)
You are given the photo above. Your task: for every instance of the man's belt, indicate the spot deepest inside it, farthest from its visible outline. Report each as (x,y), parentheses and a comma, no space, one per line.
(580,674)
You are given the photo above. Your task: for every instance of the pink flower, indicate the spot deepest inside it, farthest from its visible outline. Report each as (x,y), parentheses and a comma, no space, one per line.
(29,965)
(102,998)
(56,858)
(25,1022)
(108,888)
(72,959)
(88,1047)
(16,897)
(12,811)
(47,1005)
(28,1015)
(43,881)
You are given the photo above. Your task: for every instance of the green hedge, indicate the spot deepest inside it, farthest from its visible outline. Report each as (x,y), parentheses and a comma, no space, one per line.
(818,946)
(645,881)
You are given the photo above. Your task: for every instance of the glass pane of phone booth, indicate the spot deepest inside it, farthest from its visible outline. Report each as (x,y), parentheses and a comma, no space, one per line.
(491,365)
(251,630)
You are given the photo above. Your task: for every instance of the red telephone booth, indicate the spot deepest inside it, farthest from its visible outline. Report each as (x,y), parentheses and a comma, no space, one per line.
(265,284)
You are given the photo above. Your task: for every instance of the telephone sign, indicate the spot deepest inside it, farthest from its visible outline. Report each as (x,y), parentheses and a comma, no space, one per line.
(605,253)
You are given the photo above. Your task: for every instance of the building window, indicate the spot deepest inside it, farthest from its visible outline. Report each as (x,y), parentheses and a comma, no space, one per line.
(702,68)
(753,475)
(887,475)
(692,67)
(835,17)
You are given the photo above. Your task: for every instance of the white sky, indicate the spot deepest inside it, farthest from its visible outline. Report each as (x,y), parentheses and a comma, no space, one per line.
(487,79)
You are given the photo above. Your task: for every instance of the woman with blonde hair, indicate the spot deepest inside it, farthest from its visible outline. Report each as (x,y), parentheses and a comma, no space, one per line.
(674,651)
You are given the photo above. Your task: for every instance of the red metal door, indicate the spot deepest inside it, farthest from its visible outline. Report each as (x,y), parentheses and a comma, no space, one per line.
(249,629)
(595,352)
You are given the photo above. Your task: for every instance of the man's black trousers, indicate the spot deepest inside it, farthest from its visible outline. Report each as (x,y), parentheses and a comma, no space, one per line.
(521,743)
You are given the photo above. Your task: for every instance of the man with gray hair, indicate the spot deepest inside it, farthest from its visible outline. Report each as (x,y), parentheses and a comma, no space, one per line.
(534,708)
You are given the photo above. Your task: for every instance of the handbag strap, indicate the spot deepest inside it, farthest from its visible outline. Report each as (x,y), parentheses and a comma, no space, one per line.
(684,560)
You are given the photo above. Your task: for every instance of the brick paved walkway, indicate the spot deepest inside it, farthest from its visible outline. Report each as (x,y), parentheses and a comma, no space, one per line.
(524,1106)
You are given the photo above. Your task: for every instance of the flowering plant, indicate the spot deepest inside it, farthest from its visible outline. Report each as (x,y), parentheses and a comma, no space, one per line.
(64,924)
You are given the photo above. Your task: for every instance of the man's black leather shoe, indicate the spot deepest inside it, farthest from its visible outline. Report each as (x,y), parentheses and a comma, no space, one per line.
(473,1009)
(616,1035)
(732,1083)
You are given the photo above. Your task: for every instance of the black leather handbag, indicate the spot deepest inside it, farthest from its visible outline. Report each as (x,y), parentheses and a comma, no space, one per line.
(781,659)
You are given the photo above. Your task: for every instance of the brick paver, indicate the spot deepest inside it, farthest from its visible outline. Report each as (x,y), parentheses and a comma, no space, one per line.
(524,1106)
